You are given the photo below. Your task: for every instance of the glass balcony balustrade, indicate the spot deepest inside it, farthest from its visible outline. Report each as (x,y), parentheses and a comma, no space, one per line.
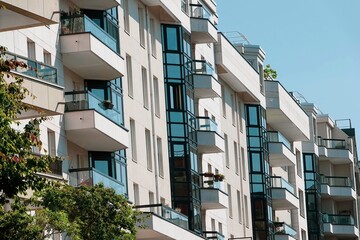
(85,100)
(213,235)
(166,213)
(274,136)
(337,219)
(279,182)
(282,228)
(206,124)
(333,143)
(34,68)
(203,67)
(336,181)
(92,176)
(81,24)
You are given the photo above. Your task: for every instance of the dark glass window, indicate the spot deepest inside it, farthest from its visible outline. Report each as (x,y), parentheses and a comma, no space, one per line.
(309,163)
(253,116)
(172,39)
(255,158)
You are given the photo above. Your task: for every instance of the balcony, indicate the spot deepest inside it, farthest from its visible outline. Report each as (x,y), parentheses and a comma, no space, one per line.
(93,124)
(284,231)
(161,222)
(205,83)
(208,138)
(284,114)
(19,14)
(340,226)
(236,71)
(213,196)
(337,151)
(92,176)
(96,4)
(338,188)
(213,235)
(280,150)
(203,29)
(42,81)
(283,194)
(88,50)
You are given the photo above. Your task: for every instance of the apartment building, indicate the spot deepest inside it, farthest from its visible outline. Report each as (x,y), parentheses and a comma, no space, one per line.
(149,98)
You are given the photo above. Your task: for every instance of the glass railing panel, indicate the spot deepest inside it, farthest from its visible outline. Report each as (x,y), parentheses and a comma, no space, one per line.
(202,67)
(274,136)
(213,235)
(91,177)
(279,182)
(333,143)
(81,23)
(34,69)
(84,100)
(336,181)
(338,219)
(166,213)
(198,11)
(283,228)
(206,124)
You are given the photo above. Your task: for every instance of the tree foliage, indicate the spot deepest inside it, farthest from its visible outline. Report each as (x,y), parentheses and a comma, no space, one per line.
(269,73)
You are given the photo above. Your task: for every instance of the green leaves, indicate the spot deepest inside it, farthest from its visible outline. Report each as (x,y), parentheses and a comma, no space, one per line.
(269,73)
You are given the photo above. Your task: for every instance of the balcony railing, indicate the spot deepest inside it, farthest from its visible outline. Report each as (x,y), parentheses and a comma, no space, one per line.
(202,67)
(279,182)
(213,235)
(333,143)
(81,24)
(85,100)
(282,228)
(92,176)
(198,11)
(166,213)
(34,69)
(274,136)
(337,219)
(336,181)
(206,124)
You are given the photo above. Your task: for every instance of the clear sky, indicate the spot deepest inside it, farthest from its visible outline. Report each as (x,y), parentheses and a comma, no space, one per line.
(314,45)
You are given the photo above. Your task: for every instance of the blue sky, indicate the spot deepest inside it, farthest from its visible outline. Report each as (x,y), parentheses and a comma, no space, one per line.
(314,45)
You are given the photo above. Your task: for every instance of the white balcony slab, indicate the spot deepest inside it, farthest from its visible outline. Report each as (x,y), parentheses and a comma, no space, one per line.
(206,86)
(96,4)
(337,193)
(90,58)
(202,31)
(158,228)
(282,199)
(210,142)
(280,155)
(335,156)
(94,132)
(283,237)
(236,71)
(20,14)
(284,114)
(341,230)
(212,198)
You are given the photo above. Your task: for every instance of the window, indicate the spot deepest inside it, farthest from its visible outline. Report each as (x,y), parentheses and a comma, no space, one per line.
(31,49)
(153,37)
(142,26)
(233,107)
(246,211)
(129,76)
(223,101)
(133,139)
(220,228)
(151,200)
(126,16)
(156,96)
(302,204)
(236,158)
(244,167)
(148,149)
(240,117)
(239,204)
(230,201)
(160,156)
(185,6)
(303,234)
(136,194)
(298,163)
(145,87)
(213,225)
(55,167)
(47,58)
(261,78)
(227,163)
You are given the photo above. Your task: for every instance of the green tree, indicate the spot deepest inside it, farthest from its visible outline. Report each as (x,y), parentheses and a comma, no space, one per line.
(18,165)
(269,73)
(98,212)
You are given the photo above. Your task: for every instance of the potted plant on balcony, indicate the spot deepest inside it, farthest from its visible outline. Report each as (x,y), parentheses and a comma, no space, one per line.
(108,104)
(219,177)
